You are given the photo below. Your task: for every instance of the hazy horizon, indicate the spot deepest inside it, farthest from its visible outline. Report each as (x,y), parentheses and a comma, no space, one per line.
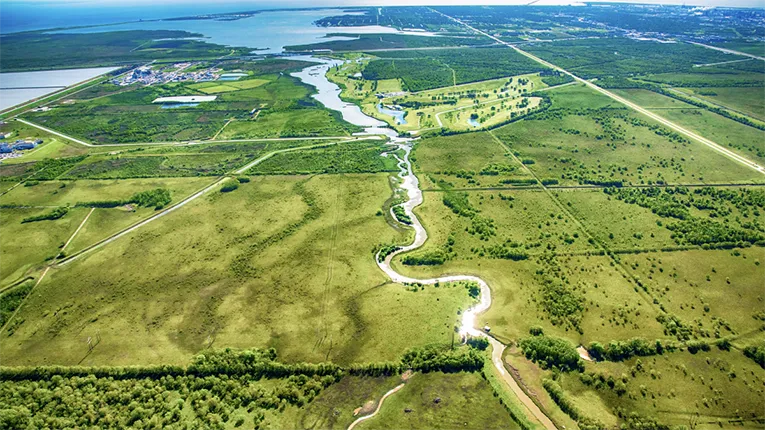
(29,15)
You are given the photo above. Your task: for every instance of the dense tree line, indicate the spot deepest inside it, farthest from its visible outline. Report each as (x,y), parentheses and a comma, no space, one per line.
(429,258)
(158,198)
(551,352)
(220,388)
(401,216)
(48,216)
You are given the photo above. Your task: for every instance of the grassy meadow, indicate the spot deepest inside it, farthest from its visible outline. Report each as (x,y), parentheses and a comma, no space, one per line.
(292,275)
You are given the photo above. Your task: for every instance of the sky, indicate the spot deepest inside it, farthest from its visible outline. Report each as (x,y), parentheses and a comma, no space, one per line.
(319,3)
(24,15)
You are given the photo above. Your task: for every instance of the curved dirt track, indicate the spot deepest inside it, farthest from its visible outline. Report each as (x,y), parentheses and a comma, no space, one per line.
(411,185)
(379,406)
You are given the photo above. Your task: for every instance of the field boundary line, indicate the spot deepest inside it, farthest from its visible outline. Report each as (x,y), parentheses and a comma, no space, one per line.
(717,147)
(82,224)
(126,230)
(178,205)
(224,126)
(7,323)
(180,143)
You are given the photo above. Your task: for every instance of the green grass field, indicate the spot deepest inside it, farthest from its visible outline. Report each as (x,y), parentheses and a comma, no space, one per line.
(129,116)
(617,145)
(439,401)
(744,139)
(745,100)
(239,288)
(31,244)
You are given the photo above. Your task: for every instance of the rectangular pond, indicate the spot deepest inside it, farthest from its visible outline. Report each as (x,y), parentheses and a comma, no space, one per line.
(20,87)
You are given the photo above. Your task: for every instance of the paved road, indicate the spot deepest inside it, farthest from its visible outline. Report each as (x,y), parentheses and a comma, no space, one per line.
(727,51)
(719,148)
(267,139)
(57,133)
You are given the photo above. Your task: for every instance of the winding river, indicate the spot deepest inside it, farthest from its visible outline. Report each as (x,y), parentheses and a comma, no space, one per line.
(329,96)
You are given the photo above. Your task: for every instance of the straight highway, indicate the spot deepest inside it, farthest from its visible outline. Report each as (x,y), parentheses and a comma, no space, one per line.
(715,146)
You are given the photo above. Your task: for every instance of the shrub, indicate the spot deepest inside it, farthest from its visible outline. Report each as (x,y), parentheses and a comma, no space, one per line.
(229,186)
(480,343)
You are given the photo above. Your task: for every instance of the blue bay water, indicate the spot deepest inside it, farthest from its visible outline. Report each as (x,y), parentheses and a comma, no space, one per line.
(268,32)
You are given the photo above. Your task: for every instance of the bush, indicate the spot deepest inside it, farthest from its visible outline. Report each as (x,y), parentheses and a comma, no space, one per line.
(431,258)
(756,353)
(480,343)
(229,186)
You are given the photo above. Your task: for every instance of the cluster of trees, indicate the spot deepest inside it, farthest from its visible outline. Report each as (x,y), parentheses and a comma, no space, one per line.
(506,251)
(708,233)
(158,198)
(384,251)
(459,203)
(675,202)
(494,169)
(563,302)
(341,158)
(482,226)
(441,359)
(428,258)
(661,201)
(551,352)
(401,216)
(48,216)
(756,353)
